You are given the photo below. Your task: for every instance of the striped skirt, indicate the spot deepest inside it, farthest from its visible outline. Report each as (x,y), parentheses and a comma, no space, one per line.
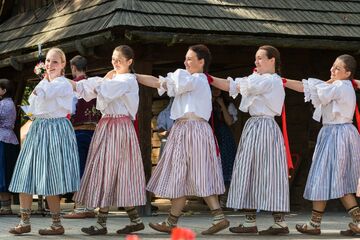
(189,164)
(48,163)
(335,169)
(260,174)
(114,173)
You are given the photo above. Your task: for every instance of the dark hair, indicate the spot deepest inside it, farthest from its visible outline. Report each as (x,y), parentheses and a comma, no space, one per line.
(79,62)
(128,53)
(6,84)
(350,64)
(202,52)
(273,52)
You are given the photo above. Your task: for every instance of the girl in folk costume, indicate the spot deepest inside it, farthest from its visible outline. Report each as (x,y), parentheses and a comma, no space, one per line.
(260,174)
(9,145)
(48,163)
(336,161)
(189,164)
(114,173)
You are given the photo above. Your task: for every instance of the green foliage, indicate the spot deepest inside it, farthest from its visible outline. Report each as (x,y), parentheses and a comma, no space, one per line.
(30,85)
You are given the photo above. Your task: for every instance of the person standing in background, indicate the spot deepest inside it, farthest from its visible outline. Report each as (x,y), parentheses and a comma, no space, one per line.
(9,144)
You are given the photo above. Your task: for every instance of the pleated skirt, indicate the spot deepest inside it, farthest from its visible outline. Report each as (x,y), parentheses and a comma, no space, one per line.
(189,164)
(260,174)
(335,167)
(114,173)
(48,163)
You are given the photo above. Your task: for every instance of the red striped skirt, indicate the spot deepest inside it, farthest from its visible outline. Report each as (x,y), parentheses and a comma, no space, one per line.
(114,172)
(189,164)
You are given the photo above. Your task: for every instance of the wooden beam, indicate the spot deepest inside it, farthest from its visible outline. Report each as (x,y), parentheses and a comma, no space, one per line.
(145,132)
(87,42)
(171,38)
(15,64)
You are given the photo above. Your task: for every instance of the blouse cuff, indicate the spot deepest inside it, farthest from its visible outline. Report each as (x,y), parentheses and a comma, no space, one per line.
(314,95)
(161,90)
(171,87)
(244,86)
(233,92)
(307,93)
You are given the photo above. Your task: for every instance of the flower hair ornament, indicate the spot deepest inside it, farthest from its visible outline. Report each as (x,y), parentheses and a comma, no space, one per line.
(40,70)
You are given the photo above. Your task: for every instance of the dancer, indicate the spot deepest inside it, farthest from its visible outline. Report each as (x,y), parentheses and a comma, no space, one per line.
(260,176)
(335,168)
(190,163)
(9,145)
(48,163)
(114,173)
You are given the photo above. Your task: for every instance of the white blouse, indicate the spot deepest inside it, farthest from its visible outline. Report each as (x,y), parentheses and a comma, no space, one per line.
(53,99)
(192,94)
(119,95)
(262,94)
(334,103)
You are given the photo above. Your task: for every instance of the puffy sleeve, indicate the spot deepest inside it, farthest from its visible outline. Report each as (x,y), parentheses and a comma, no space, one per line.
(6,109)
(320,94)
(86,88)
(179,82)
(110,90)
(53,89)
(233,91)
(58,90)
(253,85)
(3,109)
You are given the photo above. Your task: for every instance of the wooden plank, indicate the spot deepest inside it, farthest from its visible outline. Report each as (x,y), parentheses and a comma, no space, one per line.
(144,118)
(87,42)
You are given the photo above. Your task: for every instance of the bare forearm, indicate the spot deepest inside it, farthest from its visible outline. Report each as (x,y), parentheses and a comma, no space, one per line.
(221,83)
(148,80)
(294,85)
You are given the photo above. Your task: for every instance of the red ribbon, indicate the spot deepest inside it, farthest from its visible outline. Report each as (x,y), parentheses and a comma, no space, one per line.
(210,80)
(68,116)
(357,114)
(285,135)
(136,126)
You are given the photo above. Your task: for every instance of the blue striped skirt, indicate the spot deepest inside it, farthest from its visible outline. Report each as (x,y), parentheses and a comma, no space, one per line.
(260,175)
(335,167)
(48,163)
(189,164)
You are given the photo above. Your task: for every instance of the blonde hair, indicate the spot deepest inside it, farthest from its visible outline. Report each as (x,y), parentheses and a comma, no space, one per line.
(62,56)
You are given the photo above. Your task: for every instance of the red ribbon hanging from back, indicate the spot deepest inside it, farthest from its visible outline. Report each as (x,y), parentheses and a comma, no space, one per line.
(357,114)
(285,135)
(210,80)
(136,126)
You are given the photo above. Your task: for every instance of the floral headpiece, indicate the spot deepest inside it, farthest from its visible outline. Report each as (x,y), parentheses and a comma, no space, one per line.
(40,70)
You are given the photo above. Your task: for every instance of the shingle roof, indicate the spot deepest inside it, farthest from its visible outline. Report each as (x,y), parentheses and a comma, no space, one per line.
(311,19)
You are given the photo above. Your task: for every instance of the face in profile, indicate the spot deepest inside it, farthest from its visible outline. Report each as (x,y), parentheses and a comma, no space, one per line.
(263,63)
(54,64)
(120,63)
(338,71)
(192,63)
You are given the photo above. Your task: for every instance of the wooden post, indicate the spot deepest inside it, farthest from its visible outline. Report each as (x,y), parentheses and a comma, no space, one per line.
(144,118)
